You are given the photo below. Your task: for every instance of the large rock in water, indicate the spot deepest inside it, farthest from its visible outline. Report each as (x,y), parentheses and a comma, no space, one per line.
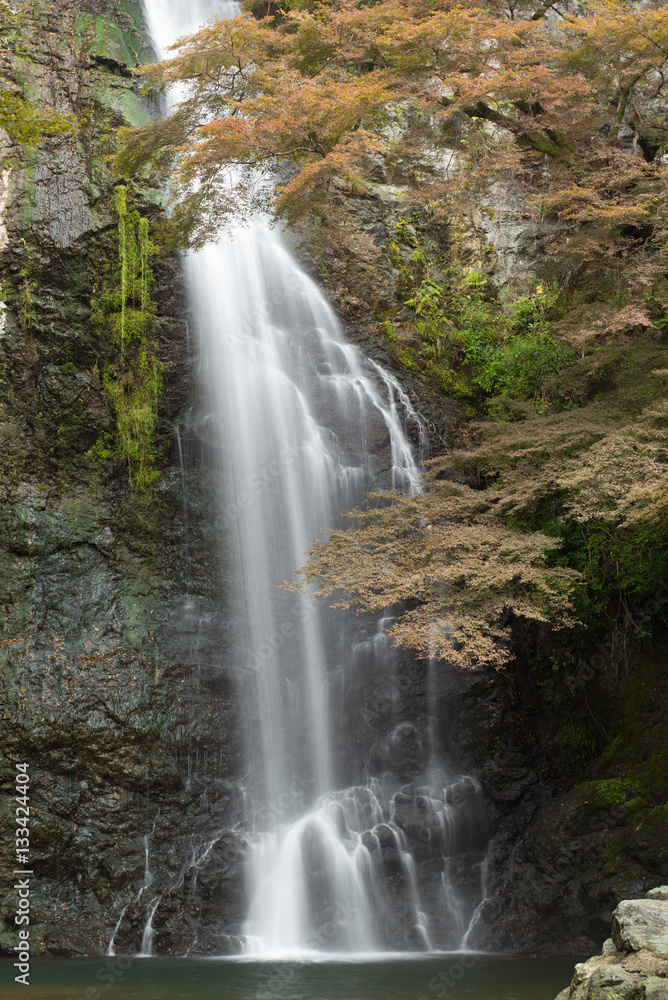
(634,962)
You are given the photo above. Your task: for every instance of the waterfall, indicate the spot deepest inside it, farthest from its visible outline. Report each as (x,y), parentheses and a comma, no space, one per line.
(304,426)
(110,949)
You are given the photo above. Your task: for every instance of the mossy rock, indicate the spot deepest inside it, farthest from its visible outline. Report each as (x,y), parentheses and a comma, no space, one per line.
(106,41)
(121,97)
(649,840)
(8,942)
(610,791)
(653,771)
(622,371)
(133,10)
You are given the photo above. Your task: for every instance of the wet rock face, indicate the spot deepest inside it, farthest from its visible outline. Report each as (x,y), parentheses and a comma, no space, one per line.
(634,961)
(110,625)
(563,852)
(114,697)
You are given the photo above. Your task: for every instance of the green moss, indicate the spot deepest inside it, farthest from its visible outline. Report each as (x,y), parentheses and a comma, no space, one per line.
(610,792)
(652,771)
(29,124)
(409,360)
(636,809)
(613,848)
(103,39)
(133,382)
(448,381)
(120,97)
(134,398)
(388,330)
(656,828)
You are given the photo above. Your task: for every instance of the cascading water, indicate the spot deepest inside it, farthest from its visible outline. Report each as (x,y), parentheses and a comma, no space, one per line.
(304,427)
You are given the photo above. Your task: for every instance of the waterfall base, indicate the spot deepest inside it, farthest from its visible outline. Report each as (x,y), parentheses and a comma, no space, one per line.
(343,878)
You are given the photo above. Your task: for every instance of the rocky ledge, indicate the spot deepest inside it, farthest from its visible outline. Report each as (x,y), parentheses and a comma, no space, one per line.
(634,961)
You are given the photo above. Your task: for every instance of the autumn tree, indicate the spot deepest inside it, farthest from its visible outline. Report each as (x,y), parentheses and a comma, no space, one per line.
(551,522)
(456,572)
(308,95)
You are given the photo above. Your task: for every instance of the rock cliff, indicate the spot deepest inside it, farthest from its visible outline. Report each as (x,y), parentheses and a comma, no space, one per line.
(110,625)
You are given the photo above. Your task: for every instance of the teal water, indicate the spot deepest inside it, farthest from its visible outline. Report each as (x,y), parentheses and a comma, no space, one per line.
(454,977)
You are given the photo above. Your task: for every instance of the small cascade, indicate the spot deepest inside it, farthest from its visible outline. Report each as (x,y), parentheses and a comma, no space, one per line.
(477,913)
(182,463)
(321,882)
(147,936)
(110,949)
(309,891)
(147,872)
(148,876)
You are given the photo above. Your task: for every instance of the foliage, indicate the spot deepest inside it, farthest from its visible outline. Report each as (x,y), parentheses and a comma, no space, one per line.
(474,342)
(448,555)
(557,517)
(324,86)
(134,398)
(134,382)
(608,793)
(135,250)
(28,125)
(559,520)
(579,740)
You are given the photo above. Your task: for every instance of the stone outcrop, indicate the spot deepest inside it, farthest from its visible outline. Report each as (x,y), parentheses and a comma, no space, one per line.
(634,962)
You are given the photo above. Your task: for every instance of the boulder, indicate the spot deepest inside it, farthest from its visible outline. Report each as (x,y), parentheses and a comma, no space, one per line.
(641,923)
(634,961)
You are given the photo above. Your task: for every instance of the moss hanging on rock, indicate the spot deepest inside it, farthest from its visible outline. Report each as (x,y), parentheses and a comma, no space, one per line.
(133,381)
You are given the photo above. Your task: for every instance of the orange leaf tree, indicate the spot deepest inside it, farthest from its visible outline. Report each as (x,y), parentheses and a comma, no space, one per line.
(306,95)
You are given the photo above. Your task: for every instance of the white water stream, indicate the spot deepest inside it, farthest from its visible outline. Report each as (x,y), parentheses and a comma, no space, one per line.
(304,426)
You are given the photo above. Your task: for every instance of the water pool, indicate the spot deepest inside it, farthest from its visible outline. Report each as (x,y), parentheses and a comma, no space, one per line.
(451,976)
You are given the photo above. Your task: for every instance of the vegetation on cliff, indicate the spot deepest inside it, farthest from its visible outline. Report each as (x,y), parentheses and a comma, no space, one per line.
(25,122)
(133,380)
(566,398)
